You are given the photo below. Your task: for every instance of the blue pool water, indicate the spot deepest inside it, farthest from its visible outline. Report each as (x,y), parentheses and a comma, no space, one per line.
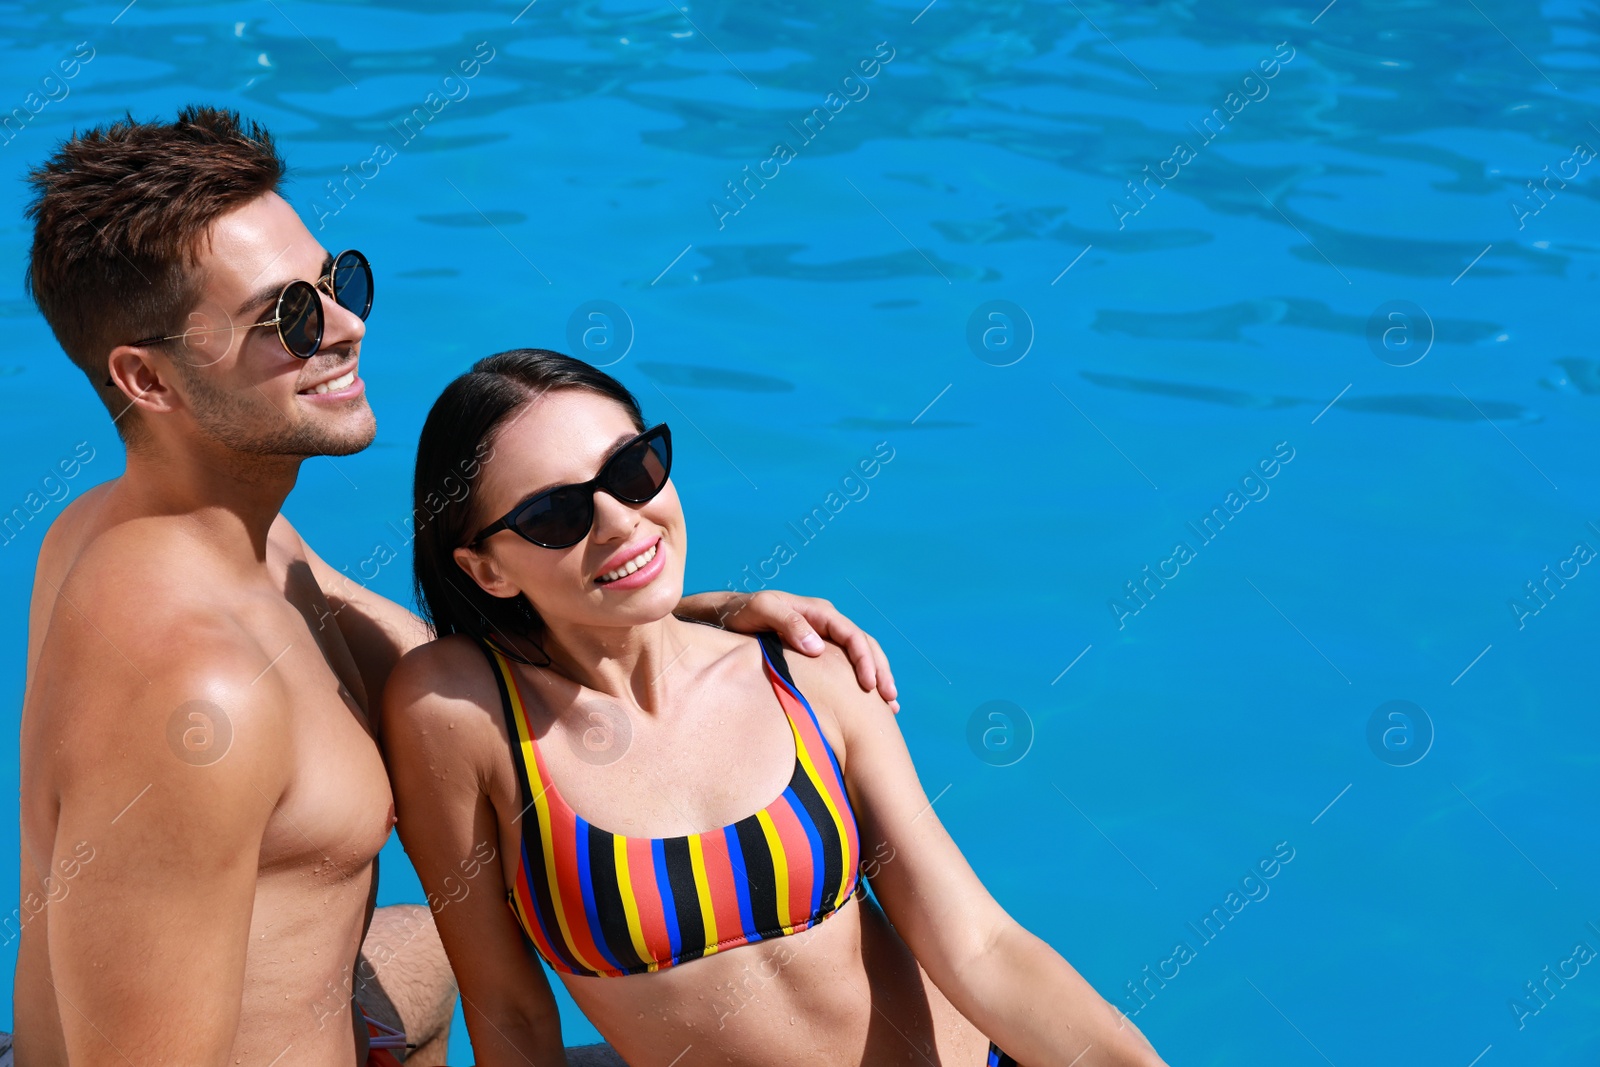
(1341,277)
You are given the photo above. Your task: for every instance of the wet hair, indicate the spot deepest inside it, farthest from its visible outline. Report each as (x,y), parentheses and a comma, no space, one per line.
(120,213)
(457,438)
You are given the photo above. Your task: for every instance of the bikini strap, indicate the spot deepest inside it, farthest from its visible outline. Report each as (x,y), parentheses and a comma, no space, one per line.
(772,645)
(497,668)
(500,667)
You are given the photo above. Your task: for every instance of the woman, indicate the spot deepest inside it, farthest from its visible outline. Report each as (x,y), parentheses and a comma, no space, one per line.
(689,930)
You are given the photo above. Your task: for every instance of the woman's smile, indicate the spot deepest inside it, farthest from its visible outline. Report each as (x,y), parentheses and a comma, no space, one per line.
(630,568)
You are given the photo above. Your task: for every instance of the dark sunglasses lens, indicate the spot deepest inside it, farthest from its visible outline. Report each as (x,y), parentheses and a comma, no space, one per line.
(352,283)
(557,519)
(300,319)
(638,472)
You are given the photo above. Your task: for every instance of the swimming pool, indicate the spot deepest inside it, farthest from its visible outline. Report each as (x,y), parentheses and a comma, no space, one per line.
(1229,360)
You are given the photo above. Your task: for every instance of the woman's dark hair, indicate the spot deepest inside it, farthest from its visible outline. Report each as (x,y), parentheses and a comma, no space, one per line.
(457,438)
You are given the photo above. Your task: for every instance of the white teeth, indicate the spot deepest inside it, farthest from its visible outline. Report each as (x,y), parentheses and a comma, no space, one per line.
(341,382)
(632,565)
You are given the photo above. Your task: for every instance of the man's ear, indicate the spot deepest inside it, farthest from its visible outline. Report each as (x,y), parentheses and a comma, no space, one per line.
(138,372)
(482,569)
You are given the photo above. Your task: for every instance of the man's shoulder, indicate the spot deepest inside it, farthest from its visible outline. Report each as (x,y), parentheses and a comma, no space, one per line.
(179,652)
(140,631)
(76,518)
(152,582)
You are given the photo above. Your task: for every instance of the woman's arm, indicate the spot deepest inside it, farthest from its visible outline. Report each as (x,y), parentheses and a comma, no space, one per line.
(443,746)
(1013,986)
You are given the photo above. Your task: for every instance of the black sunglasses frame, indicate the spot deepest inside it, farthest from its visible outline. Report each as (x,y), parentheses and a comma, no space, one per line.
(314,314)
(649,438)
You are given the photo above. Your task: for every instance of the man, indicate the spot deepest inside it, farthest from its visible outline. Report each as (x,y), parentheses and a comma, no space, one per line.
(202,797)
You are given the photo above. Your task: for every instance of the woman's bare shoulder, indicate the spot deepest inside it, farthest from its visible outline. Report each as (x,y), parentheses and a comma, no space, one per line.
(446,683)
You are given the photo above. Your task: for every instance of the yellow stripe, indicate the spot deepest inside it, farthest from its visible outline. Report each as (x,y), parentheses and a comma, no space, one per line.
(702,885)
(541,806)
(780,865)
(844,837)
(619,848)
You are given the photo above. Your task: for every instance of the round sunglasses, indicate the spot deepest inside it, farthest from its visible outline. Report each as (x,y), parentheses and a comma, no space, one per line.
(298,315)
(561,516)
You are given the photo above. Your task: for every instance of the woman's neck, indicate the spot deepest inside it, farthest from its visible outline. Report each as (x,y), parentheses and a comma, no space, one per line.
(629,663)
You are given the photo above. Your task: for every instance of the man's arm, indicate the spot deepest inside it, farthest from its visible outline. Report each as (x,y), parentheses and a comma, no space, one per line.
(799,620)
(376,629)
(156,856)
(379,631)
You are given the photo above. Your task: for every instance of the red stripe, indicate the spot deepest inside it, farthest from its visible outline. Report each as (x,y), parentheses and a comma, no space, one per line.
(719,878)
(647,898)
(563,843)
(797,851)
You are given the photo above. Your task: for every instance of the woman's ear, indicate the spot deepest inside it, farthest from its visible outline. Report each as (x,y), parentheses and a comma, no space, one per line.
(481,568)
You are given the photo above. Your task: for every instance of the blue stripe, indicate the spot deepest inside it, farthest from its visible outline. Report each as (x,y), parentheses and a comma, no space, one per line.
(669,908)
(817,869)
(741,884)
(591,913)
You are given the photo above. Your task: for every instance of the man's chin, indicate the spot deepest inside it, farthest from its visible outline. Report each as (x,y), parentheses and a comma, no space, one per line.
(348,444)
(331,434)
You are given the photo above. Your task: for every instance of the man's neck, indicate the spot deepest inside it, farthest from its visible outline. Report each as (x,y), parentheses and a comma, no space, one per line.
(227,499)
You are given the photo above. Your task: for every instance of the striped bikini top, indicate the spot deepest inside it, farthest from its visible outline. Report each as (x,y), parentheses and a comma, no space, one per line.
(602,904)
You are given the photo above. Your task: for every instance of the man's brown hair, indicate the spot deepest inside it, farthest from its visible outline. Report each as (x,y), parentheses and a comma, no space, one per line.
(119,216)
